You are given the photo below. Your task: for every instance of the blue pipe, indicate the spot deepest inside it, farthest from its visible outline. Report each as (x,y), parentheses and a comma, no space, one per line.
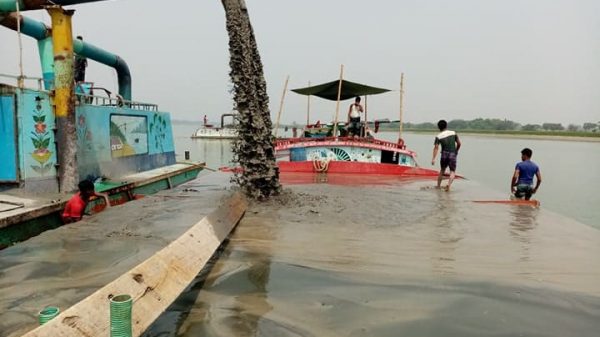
(100,55)
(26,5)
(40,32)
(35,29)
(47,61)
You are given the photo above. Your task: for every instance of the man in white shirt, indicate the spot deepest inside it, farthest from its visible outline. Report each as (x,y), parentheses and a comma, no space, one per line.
(354,114)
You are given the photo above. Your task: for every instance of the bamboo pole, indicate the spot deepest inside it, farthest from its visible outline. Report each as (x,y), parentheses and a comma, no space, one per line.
(337,105)
(287,79)
(308,109)
(401,104)
(366,121)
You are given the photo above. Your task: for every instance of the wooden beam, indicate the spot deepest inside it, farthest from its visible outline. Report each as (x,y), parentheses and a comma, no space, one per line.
(155,283)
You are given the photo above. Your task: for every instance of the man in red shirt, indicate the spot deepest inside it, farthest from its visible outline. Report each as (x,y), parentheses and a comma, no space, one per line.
(75,207)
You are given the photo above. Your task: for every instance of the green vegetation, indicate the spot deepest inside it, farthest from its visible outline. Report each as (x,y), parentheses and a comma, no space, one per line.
(502,126)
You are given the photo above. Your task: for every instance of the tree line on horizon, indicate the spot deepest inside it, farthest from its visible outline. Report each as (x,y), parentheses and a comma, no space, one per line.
(496,124)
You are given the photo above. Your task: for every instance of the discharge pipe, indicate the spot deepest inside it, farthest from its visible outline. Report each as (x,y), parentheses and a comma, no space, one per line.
(27,5)
(42,34)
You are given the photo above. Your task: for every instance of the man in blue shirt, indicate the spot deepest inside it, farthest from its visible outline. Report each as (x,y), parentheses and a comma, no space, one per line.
(522,180)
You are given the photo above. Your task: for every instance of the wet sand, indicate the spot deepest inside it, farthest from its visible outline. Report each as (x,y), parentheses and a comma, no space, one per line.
(61,267)
(387,258)
(396,259)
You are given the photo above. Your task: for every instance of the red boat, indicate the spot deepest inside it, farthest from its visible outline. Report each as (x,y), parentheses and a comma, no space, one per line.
(347,155)
(328,149)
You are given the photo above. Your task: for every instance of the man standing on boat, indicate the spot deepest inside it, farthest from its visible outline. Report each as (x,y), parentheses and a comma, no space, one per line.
(521,184)
(450,146)
(79,64)
(354,114)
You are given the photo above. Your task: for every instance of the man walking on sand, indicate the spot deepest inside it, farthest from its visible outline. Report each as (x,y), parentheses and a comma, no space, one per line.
(450,146)
(521,184)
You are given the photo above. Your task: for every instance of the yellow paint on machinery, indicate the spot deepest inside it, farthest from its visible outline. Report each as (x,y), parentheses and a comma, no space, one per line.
(62,40)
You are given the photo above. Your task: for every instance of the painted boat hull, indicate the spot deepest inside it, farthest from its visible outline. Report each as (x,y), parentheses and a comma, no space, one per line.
(347,155)
(352,167)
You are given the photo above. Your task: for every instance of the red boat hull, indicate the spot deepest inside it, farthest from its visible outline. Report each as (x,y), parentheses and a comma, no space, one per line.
(357,168)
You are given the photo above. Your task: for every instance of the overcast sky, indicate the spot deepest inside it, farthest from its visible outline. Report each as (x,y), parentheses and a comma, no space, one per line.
(531,61)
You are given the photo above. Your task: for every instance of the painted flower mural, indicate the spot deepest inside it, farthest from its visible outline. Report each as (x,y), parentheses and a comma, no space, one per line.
(84,134)
(40,138)
(158,127)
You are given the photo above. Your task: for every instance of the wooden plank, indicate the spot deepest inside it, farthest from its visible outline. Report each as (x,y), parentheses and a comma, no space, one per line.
(155,283)
(532,202)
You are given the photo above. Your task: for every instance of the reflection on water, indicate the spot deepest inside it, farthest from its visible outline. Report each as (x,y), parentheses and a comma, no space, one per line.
(522,226)
(446,233)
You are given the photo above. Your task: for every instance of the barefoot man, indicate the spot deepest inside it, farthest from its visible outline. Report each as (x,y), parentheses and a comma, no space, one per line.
(450,146)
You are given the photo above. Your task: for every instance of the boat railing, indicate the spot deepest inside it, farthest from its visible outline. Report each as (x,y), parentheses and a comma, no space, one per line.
(26,79)
(114,102)
(290,142)
(82,98)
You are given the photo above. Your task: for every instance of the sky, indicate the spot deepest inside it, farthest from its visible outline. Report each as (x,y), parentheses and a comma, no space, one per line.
(531,61)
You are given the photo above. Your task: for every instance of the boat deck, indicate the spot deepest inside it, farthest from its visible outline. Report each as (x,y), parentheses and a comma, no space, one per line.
(26,214)
(17,206)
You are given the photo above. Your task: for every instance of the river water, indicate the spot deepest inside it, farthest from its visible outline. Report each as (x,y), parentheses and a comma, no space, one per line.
(570,169)
(393,257)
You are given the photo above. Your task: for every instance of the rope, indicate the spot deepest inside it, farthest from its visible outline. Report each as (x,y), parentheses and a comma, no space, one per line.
(321,165)
(20,80)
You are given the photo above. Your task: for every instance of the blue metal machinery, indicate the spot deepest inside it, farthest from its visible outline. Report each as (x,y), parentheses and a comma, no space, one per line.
(41,33)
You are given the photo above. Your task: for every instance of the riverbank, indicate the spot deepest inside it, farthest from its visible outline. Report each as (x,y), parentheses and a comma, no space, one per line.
(558,135)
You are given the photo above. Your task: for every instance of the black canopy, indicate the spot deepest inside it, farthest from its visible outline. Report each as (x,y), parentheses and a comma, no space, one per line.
(330,90)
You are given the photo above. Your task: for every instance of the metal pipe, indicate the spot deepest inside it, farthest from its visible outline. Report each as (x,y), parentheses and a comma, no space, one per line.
(100,55)
(27,5)
(40,32)
(46,52)
(35,29)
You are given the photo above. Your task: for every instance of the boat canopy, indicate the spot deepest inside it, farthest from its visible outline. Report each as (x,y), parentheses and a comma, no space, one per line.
(329,90)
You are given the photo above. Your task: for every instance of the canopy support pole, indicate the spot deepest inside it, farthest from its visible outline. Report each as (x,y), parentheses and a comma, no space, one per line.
(401,105)
(308,108)
(337,105)
(364,131)
(287,79)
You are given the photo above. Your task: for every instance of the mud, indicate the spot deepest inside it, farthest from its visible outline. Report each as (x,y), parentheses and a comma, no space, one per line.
(395,259)
(253,149)
(63,266)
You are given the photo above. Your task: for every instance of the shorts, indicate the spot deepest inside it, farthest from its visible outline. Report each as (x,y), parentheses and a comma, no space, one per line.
(354,126)
(448,160)
(524,190)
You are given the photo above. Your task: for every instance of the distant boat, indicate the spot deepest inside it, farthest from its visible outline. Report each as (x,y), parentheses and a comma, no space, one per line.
(209,131)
